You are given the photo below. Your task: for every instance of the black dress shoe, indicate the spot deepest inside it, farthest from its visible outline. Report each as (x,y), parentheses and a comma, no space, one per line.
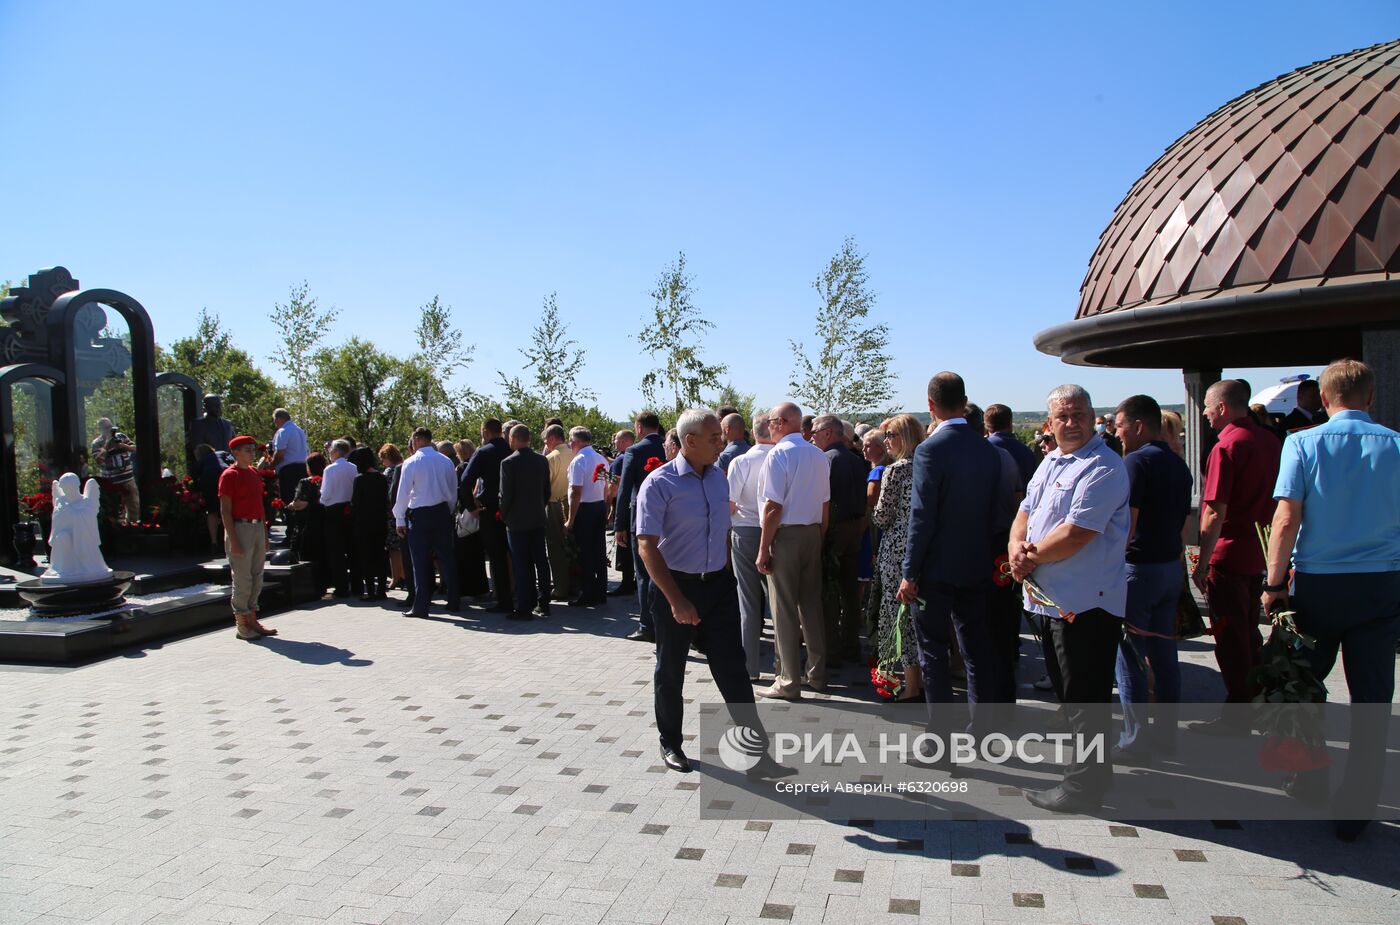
(623,591)
(642,635)
(1059,800)
(675,759)
(1349,830)
(520,615)
(768,769)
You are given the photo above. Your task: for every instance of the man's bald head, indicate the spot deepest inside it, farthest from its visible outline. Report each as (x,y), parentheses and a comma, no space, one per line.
(732,427)
(784,419)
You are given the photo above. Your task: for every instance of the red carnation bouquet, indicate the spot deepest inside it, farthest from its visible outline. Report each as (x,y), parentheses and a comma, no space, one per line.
(656,462)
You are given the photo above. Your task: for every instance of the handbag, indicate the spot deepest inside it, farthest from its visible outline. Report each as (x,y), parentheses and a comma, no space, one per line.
(468,522)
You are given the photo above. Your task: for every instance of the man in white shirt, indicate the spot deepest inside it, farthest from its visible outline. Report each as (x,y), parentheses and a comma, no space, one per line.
(288,453)
(588,515)
(744,534)
(337,483)
(423,514)
(796,495)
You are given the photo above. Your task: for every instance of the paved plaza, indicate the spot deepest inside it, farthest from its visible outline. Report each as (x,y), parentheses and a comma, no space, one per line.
(366,767)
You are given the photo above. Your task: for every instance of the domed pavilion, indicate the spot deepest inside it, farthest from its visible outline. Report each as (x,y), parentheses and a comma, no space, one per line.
(1267,235)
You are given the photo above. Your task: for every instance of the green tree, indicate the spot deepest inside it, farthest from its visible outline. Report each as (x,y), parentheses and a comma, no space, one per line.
(556,360)
(363,392)
(301,325)
(672,336)
(747,402)
(210,357)
(442,354)
(851,373)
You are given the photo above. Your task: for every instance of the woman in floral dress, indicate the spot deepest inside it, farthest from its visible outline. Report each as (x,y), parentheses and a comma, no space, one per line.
(903,435)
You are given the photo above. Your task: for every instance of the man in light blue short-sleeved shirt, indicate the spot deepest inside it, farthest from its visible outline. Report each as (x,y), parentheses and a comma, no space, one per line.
(1338,521)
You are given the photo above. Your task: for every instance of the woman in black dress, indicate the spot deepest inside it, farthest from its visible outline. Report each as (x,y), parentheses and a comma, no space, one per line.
(305,519)
(369,519)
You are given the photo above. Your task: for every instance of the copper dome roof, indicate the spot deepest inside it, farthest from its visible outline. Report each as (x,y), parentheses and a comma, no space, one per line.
(1296,180)
(1269,233)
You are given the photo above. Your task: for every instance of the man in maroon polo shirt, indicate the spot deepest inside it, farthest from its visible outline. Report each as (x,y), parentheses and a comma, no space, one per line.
(1238,495)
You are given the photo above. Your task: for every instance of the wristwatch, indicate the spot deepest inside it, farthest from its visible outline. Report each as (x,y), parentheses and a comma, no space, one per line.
(1275,589)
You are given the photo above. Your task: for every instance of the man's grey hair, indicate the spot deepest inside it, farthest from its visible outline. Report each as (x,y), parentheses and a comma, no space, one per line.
(1068,392)
(581,433)
(520,432)
(760,426)
(509,426)
(823,421)
(281,414)
(863,429)
(691,421)
(553,432)
(732,421)
(341,448)
(848,430)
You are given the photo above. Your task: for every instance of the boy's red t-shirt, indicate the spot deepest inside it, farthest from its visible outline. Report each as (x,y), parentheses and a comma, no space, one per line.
(245,487)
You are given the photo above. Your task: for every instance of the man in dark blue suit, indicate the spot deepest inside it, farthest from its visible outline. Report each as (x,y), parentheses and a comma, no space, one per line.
(634,462)
(480,491)
(948,561)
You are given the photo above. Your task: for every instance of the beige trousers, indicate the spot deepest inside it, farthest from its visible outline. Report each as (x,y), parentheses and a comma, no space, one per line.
(247,569)
(554,540)
(795,590)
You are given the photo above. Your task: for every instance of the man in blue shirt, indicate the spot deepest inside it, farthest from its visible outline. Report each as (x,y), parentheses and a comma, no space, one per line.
(1070,536)
(683,539)
(288,453)
(1159,502)
(1338,519)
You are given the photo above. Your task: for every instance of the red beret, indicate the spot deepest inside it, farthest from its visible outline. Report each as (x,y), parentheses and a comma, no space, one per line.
(244,440)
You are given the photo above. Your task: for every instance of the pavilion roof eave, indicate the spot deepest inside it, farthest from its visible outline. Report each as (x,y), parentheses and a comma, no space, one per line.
(1281,327)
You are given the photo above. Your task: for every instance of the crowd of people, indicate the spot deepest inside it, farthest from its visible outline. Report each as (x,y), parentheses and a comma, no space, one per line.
(933,542)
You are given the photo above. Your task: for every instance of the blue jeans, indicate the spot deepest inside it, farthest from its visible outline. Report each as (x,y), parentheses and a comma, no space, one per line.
(430,532)
(529,560)
(1153,592)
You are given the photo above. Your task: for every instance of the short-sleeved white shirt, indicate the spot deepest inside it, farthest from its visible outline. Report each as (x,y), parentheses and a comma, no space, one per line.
(582,469)
(744,472)
(796,475)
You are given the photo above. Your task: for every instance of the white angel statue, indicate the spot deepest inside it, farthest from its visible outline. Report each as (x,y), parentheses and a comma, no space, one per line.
(75,553)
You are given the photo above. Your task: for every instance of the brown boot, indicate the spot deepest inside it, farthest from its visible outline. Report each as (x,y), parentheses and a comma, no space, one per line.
(245,627)
(257,625)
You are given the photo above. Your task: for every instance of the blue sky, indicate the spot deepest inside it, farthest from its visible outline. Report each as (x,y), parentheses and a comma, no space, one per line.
(214,154)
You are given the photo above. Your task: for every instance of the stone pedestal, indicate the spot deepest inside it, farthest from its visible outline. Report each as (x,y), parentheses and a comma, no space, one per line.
(1380,348)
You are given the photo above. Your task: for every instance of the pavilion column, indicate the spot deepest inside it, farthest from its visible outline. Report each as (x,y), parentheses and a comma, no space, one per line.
(1380,348)
(1197,381)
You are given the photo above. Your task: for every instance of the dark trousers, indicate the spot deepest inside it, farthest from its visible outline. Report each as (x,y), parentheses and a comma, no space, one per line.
(1087,651)
(841,591)
(430,532)
(287,478)
(1358,614)
(369,570)
(590,524)
(717,602)
(529,558)
(1047,652)
(471,564)
(493,538)
(1234,620)
(623,561)
(644,602)
(336,525)
(948,610)
(1004,626)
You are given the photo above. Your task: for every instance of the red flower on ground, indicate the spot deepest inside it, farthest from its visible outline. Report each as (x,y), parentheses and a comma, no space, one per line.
(1287,753)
